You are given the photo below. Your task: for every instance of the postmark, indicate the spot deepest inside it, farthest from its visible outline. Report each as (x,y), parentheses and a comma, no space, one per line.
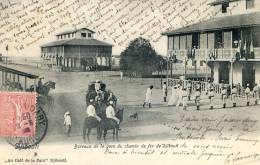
(41,130)
(17,114)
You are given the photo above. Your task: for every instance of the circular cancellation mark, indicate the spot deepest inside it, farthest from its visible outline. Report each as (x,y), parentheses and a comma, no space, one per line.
(30,142)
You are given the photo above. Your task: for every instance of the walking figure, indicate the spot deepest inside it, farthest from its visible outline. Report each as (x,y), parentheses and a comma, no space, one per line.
(209,85)
(184,98)
(179,95)
(164,89)
(247,92)
(197,98)
(234,95)
(67,123)
(189,89)
(211,96)
(239,89)
(224,96)
(148,96)
(255,93)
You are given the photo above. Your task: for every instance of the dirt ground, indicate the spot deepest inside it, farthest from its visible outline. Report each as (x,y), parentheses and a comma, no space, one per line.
(69,95)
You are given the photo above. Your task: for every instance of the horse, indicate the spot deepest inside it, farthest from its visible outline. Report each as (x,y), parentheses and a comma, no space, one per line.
(89,123)
(110,124)
(45,89)
(104,125)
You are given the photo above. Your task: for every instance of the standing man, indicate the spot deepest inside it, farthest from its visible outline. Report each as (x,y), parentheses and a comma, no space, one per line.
(179,95)
(208,87)
(234,95)
(148,96)
(247,92)
(121,75)
(67,123)
(224,96)
(222,85)
(164,90)
(197,98)
(189,89)
(239,89)
(255,93)
(91,111)
(211,96)
(184,98)
(111,114)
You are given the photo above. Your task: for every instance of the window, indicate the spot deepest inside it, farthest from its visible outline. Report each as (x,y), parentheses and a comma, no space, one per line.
(83,35)
(60,36)
(218,39)
(195,39)
(89,35)
(224,7)
(68,35)
(250,4)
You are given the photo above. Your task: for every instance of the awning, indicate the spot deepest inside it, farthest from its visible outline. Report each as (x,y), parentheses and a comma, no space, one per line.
(17,72)
(218,2)
(219,23)
(77,42)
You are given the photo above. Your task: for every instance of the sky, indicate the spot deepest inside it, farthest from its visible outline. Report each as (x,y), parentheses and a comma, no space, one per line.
(26,25)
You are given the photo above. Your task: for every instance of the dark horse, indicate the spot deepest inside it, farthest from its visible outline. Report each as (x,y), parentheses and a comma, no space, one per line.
(89,123)
(104,125)
(110,124)
(45,89)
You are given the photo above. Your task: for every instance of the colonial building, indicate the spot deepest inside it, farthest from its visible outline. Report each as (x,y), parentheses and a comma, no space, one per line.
(229,43)
(77,50)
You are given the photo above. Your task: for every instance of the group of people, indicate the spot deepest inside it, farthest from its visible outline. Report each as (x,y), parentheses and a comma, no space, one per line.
(100,104)
(92,111)
(181,94)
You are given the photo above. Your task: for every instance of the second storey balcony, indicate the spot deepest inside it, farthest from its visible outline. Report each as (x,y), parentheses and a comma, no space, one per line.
(222,54)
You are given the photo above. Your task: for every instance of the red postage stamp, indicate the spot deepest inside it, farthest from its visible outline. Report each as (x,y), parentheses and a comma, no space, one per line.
(17,114)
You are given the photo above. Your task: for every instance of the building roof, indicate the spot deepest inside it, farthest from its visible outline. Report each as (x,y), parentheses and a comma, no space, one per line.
(17,72)
(74,41)
(74,31)
(218,23)
(218,2)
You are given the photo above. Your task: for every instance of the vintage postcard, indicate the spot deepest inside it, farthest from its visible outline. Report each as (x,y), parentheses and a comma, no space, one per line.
(130,82)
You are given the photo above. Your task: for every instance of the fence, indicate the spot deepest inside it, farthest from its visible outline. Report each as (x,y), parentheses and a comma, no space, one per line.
(195,84)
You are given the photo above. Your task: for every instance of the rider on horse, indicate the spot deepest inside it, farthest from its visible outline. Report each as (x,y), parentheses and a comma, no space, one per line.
(111,114)
(91,111)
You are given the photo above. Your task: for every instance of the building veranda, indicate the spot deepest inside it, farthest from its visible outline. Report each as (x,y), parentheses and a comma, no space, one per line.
(77,50)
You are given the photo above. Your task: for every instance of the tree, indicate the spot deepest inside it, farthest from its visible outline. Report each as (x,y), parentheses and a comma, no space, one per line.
(140,58)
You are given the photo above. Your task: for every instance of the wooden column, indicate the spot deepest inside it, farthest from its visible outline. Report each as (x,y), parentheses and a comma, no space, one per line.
(13,77)
(3,77)
(25,83)
(34,85)
(79,58)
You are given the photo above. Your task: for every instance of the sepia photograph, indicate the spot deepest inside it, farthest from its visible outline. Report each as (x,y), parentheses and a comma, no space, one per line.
(130,81)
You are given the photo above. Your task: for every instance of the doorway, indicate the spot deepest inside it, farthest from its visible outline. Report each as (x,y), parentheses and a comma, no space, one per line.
(248,75)
(224,72)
